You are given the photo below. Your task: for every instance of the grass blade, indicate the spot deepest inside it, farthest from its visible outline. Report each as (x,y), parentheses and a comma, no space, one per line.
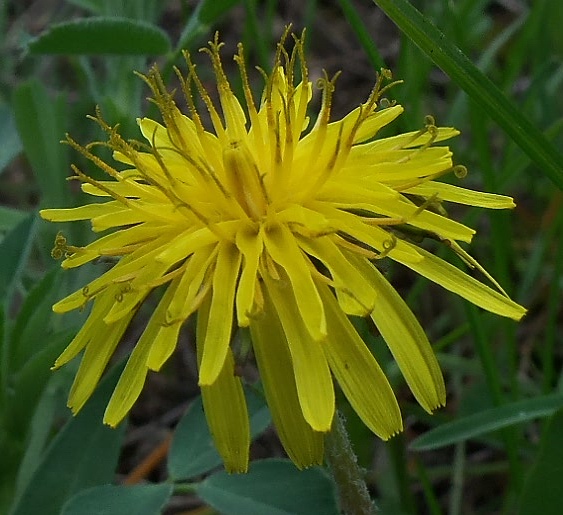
(486,421)
(477,85)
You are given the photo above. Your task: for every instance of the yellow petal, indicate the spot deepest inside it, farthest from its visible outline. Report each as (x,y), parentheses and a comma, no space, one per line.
(218,334)
(358,374)
(191,285)
(406,340)
(371,235)
(125,188)
(117,218)
(86,212)
(185,243)
(163,345)
(296,215)
(250,244)
(224,404)
(365,164)
(432,161)
(406,140)
(283,249)
(136,291)
(113,244)
(345,276)
(312,375)
(133,376)
(452,193)
(129,265)
(96,356)
(93,326)
(303,445)
(427,220)
(342,191)
(453,279)
(154,132)
(377,121)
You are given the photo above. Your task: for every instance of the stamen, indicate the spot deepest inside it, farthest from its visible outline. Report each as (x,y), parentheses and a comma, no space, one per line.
(233,115)
(460,171)
(60,248)
(167,277)
(270,266)
(250,105)
(388,246)
(300,46)
(343,242)
(320,128)
(215,118)
(288,147)
(85,178)
(472,263)
(303,230)
(186,84)
(112,172)
(165,103)
(429,128)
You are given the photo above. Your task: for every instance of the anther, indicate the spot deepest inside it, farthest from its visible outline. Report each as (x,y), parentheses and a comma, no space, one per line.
(60,248)
(460,171)
(388,246)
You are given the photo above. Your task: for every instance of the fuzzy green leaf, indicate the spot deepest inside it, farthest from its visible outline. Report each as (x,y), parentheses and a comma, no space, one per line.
(101,36)
(192,451)
(274,487)
(41,122)
(83,454)
(14,250)
(117,500)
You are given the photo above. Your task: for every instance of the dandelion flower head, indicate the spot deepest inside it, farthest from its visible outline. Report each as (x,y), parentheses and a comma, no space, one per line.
(268,220)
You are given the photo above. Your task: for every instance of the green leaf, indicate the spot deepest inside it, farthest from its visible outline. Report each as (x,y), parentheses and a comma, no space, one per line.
(28,383)
(205,14)
(193,452)
(14,251)
(477,85)
(542,491)
(32,323)
(117,500)
(40,430)
(11,144)
(41,122)
(274,487)
(83,454)
(101,35)
(487,421)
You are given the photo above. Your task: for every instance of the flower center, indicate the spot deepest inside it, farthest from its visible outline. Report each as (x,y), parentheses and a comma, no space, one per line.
(243,180)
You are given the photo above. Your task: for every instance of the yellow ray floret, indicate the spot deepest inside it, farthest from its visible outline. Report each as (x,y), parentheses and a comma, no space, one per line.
(273,222)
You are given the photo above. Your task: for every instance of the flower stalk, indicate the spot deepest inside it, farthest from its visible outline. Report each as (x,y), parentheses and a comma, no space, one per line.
(347,474)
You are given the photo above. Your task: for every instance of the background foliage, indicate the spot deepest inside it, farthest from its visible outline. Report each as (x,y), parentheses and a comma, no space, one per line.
(495,448)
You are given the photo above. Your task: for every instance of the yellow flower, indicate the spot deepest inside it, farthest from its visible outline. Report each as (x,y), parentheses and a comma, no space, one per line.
(274,223)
